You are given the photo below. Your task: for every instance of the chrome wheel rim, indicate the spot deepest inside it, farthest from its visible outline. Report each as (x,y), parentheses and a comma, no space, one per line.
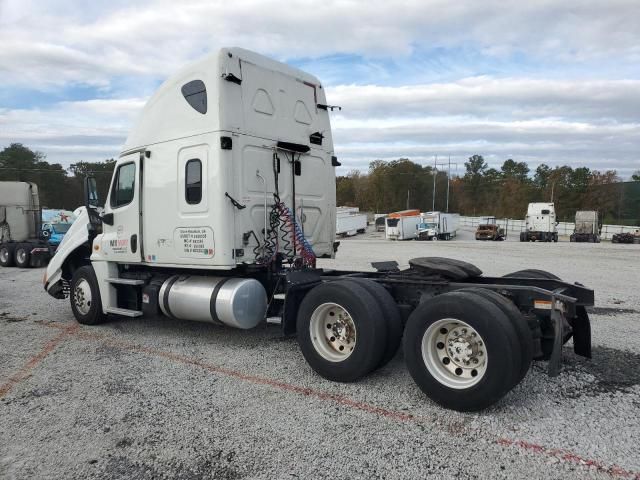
(82,297)
(454,353)
(4,255)
(333,332)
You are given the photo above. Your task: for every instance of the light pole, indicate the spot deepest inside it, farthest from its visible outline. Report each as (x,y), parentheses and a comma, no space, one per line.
(435,174)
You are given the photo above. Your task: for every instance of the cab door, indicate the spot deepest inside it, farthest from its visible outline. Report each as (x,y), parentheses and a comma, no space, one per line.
(121,240)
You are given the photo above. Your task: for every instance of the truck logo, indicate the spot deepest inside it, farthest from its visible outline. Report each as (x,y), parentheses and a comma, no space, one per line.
(120,245)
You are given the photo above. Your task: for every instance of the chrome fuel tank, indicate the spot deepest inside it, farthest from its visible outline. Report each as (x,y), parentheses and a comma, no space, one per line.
(232,301)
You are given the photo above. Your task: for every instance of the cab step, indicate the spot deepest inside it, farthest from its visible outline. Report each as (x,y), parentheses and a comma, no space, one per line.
(124,312)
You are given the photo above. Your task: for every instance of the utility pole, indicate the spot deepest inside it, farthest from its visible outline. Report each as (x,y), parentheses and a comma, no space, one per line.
(435,174)
(408,191)
(448,182)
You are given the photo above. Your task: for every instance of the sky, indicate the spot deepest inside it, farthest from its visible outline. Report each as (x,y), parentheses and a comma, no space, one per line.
(555,82)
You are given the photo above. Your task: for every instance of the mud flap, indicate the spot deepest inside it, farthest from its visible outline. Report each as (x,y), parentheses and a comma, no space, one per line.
(553,369)
(582,332)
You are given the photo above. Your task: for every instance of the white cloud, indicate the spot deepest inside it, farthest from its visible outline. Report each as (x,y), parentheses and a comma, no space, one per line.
(57,42)
(516,98)
(71,131)
(548,115)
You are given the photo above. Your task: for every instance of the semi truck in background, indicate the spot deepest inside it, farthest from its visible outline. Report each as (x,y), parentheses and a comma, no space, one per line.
(587,227)
(540,223)
(380,220)
(402,225)
(222,153)
(438,226)
(21,241)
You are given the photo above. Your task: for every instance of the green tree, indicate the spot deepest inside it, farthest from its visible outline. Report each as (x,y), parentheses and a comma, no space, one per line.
(102,171)
(515,170)
(20,163)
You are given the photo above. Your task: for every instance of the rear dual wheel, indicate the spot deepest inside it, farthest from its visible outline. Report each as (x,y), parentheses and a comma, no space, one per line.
(519,323)
(6,256)
(22,256)
(462,350)
(348,328)
(542,325)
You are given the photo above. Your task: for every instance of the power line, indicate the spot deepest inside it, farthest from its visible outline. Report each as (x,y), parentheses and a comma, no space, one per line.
(18,169)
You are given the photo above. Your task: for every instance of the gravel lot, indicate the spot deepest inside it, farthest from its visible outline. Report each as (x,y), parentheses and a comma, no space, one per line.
(158,398)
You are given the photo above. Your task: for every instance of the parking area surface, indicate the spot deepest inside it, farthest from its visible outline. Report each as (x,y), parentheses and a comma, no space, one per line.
(159,398)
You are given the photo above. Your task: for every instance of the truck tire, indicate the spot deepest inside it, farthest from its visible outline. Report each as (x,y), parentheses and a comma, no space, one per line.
(555,238)
(22,255)
(341,331)
(86,304)
(523,237)
(6,256)
(518,321)
(391,314)
(546,329)
(490,365)
(532,273)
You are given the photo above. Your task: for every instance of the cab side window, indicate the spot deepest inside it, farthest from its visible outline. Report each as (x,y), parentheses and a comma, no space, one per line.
(122,191)
(195,93)
(193,181)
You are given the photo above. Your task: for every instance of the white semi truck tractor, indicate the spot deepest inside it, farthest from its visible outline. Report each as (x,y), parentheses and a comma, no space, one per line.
(22,243)
(199,224)
(587,227)
(540,223)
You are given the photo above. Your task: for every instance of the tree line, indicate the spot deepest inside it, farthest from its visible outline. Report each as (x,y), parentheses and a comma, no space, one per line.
(58,187)
(398,184)
(392,185)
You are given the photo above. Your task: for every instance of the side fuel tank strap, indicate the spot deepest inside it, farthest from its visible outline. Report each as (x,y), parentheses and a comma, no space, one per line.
(165,297)
(214,297)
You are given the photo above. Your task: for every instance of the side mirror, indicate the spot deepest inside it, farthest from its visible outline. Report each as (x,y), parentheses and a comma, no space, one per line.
(91,193)
(107,218)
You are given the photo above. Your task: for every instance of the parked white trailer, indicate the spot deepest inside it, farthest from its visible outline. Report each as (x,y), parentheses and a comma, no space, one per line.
(350,224)
(402,228)
(438,226)
(540,223)
(199,224)
(21,241)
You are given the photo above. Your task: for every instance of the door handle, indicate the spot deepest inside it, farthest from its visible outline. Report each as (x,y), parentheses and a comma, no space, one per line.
(134,243)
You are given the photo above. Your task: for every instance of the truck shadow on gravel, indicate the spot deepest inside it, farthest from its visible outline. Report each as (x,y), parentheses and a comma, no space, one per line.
(609,371)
